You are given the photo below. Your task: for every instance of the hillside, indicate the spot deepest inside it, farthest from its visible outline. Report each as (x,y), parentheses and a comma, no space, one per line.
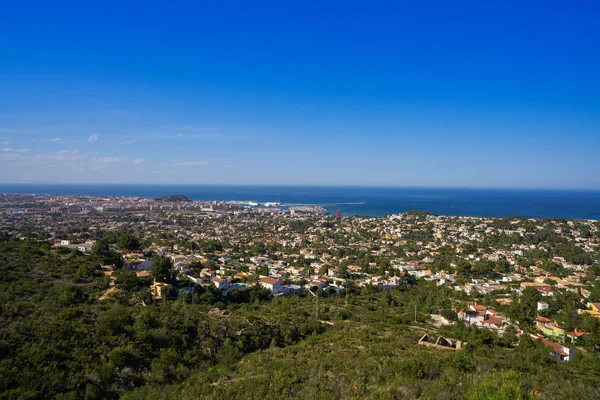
(63,342)
(177,197)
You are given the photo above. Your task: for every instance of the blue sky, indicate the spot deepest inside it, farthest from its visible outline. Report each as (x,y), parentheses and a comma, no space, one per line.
(443,94)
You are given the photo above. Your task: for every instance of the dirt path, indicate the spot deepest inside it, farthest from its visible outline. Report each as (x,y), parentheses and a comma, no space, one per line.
(111,288)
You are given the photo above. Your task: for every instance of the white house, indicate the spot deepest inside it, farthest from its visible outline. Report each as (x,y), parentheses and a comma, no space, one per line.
(476,313)
(272,284)
(85,247)
(222,282)
(560,352)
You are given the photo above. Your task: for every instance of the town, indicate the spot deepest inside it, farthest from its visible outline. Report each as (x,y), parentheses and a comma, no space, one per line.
(489,264)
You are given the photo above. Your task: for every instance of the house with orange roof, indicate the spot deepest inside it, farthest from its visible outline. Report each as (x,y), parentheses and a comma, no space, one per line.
(477,314)
(560,352)
(494,323)
(552,329)
(221,282)
(274,285)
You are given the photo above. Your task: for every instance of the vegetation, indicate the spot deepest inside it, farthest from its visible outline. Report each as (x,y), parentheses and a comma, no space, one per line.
(177,197)
(58,340)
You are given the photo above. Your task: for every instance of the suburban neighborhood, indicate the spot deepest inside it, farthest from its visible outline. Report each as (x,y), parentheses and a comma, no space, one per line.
(490,264)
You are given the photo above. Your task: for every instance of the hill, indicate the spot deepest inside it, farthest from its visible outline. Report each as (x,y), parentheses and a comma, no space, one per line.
(65,343)
(177,197)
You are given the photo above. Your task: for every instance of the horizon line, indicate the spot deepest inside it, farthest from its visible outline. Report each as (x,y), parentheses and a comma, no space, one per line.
(319,185)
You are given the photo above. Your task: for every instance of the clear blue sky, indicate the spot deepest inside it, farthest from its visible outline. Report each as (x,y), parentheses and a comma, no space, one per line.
(419,93)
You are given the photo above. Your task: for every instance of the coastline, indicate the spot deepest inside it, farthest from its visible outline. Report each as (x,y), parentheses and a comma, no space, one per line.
(362,201)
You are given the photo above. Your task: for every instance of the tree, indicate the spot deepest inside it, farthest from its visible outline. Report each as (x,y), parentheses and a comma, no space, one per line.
(263,270)
(258,248)
(343,270)
(228,354)
(210,246)
(171,292)
(502,265)
(129,242)
(463,267)
(528,304)
(196,266)
(449,314)
(162,269)
(506,385)
(567,317)
(484,267)
(105,255)
(553,268)
(126,279)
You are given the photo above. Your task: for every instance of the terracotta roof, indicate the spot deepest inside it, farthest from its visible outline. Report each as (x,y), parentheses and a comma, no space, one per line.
(268,281)
(493,321)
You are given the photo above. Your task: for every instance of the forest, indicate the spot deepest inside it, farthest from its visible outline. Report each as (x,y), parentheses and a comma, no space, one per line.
(58,341)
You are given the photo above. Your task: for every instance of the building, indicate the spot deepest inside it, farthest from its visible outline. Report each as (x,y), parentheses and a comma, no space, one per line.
(158,289)
(207,272)
(272,284)
(338,214)
(560,352)
(221,282)
(441,343)
(85,248)
(476,314)
(552,329)
(594,310)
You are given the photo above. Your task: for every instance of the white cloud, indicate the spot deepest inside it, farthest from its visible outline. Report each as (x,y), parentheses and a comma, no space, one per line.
(13,151)
(189,163)
(62,155)
(112,160)
(9,154)
(18,155)
(120,160)
(56,139)
(65,158)
(93,138)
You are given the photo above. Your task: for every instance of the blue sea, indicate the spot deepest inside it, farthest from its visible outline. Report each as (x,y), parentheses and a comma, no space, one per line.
(378,201)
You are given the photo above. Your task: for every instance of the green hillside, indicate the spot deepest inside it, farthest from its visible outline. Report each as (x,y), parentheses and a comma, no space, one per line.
(58,341)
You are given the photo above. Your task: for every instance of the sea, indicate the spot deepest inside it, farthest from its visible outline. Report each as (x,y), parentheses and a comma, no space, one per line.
(363,201)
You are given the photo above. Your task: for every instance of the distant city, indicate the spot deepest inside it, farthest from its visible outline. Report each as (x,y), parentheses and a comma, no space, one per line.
(363,201)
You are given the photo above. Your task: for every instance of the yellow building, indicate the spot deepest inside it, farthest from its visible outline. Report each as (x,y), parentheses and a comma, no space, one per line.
(158,288)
